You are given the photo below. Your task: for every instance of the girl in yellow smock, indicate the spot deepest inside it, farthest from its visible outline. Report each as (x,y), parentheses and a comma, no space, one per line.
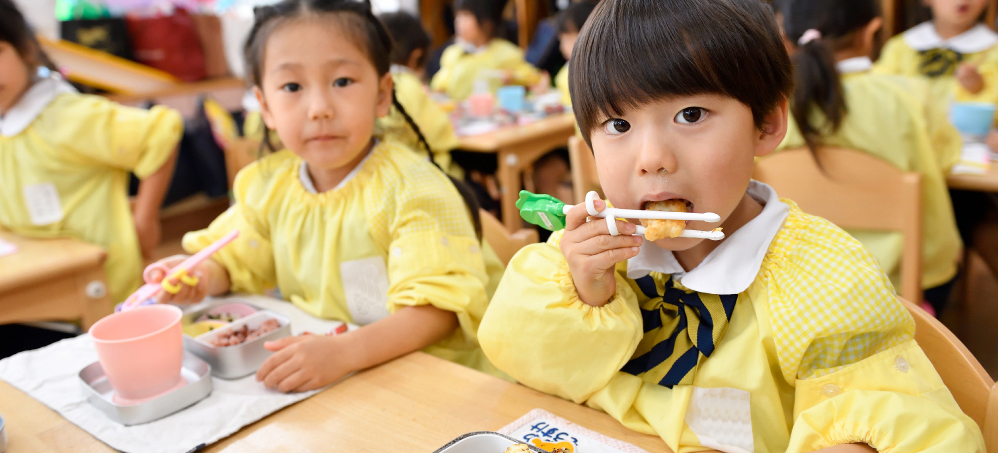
(954,52)
(878,115)
(570,22)
(479,55)
(784,337)
(345,225)
(65,160)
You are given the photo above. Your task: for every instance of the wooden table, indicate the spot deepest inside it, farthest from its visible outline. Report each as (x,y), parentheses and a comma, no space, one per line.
(49,279)
(982,183)
(184,97)
(414,404)
(518,147)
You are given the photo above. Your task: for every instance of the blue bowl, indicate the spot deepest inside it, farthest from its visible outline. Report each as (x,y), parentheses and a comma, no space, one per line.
(973,118)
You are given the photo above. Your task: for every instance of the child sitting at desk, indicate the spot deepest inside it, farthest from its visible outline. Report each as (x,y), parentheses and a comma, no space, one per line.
(479,55)
(570,22)
(786,336)
(65,159)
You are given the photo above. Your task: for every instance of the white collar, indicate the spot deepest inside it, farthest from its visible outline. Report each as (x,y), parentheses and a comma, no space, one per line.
(32,103)
(734,264)
(924,37)
(306,180)
(470,48)
(855,64)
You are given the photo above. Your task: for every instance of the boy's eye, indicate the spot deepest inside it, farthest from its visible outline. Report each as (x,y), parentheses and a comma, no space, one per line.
(291,87)
(691,115)
(342,82)
(617,126)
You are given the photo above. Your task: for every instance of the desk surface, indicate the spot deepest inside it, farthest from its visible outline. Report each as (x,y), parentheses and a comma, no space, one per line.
(38,260)
(987,182)
(416,403)
(563,123)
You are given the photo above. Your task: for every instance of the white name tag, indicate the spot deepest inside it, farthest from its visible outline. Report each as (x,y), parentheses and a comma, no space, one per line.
(722,419)
(44,205)
(365,284)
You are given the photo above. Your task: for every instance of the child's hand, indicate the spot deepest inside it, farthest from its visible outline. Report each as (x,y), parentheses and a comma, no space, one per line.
(592,253)
(993,140)
(970,79)
(213,280)
(148,229)
(307,362)
(544,85)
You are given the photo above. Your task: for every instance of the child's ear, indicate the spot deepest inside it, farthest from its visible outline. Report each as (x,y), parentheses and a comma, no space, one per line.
(268,117)
(774,128)
(386,92)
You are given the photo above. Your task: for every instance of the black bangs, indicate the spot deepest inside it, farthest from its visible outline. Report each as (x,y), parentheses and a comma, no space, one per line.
(634,52)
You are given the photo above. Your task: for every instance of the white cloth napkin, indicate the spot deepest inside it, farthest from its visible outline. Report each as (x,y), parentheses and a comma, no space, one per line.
(50,375)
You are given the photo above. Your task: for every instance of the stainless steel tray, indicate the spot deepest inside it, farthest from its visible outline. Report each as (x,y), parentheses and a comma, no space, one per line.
(233,362)
(483,442)
(99,393)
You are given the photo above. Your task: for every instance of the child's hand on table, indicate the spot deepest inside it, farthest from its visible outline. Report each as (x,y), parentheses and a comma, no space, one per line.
(213,280)
(306,362)
(970,79)
(592,253)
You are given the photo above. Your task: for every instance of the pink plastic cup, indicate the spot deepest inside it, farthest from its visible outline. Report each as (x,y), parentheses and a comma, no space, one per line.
(141,350)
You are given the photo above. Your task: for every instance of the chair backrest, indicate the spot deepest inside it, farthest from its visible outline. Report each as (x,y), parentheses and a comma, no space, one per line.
(970,384)
(584,176)
(505,244)
(853,189)
(239,153)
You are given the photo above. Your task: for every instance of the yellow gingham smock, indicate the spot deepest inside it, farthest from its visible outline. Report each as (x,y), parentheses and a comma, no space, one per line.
(818,352)
(396,234)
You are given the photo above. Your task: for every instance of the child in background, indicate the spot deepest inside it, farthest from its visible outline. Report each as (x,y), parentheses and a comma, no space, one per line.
(570,22)
(479,55)
(412,44)
(345,225)
(65,159)
(787,330)
(839,102)
(954,51)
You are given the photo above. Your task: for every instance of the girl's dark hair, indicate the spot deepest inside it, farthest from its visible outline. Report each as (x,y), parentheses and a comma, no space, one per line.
(409,36)
(488,13)
(368,33)
(574,17)
(15,30)
(631,53)
(817,80)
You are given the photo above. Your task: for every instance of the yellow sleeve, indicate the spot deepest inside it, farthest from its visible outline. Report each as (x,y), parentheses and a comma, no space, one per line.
(522,73)
(249,259)
(441,80)
(94,130)
(539,332)
(891,56)
(431,119)
(846,343)
(561,83)
(434,257)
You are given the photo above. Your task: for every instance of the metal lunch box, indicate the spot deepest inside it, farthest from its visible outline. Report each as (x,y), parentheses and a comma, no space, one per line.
(231,362)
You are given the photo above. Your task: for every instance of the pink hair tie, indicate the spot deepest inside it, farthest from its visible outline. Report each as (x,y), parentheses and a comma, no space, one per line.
(808,36)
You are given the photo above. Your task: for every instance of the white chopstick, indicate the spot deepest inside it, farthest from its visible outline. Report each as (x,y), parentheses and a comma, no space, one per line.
(709,217)
(695,234)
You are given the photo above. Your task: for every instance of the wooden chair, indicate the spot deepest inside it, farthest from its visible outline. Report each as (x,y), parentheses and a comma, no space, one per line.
(584,176)
(970,384)
(502,241)
(854,190)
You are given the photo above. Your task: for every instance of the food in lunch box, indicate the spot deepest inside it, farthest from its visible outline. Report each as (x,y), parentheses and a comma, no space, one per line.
(242,334)
(660,229)
(518,448)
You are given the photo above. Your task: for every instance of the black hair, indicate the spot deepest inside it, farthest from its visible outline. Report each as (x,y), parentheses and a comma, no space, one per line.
(367,31)
(631,53)
(409,36)
(15,30)
(574,17)
(817,80)
(488,13)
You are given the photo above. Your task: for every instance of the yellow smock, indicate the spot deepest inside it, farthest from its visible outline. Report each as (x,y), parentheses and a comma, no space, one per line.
(78,151)
(459,69)
(395,234)
(818,352)
(902,55)
(561,83)
(432,121)
(885,121)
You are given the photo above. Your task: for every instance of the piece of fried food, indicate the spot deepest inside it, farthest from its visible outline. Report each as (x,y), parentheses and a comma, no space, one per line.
(518,448)
(660,229)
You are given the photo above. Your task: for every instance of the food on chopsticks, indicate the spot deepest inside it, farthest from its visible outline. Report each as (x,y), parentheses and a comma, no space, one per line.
(661,229)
